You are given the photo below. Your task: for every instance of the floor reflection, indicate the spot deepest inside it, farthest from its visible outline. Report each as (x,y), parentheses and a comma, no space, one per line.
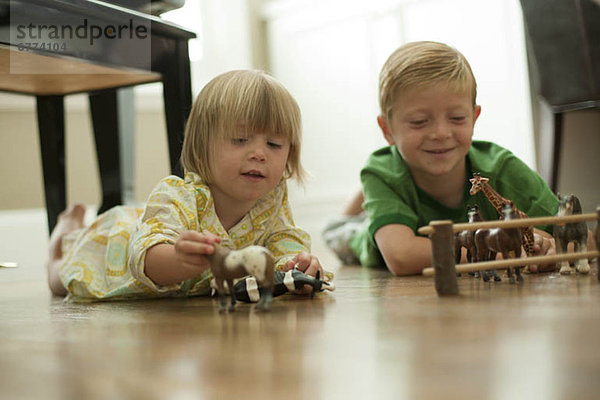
(375,336)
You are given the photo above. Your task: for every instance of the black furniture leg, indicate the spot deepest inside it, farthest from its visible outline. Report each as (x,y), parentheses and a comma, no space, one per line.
(558,124)
(51,126)
(177,94)
(105,119)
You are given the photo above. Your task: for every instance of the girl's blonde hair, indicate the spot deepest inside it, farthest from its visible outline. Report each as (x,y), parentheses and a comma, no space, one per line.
(419,64)
(245,99)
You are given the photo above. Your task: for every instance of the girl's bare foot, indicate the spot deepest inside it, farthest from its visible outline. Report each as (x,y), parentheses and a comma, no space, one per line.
(68,221)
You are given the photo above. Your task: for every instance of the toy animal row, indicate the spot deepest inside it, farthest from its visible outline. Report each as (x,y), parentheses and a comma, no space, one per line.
(483,245)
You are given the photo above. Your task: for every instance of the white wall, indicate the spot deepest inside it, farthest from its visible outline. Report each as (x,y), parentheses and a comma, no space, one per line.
(226,42)
(329,54)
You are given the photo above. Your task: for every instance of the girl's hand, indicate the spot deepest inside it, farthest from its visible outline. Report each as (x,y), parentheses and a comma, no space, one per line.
(308,264)
(191,249)
(169,264)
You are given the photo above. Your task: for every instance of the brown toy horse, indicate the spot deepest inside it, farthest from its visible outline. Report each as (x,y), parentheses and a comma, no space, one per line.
(505,241)
(227,265)
(466,239)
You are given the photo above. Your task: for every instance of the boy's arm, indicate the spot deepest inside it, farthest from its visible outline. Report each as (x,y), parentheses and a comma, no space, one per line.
(404,253)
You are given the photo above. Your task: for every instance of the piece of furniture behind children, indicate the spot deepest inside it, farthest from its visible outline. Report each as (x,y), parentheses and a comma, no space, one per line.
(563,46)
(100,71)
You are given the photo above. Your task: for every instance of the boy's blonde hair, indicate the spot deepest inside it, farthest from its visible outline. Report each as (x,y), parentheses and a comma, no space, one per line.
(419,64)
(246,100)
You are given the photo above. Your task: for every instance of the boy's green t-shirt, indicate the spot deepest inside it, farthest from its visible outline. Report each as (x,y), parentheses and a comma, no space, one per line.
(391,197)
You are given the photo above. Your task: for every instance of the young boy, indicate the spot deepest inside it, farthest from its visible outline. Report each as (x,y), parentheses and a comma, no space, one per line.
(427,96)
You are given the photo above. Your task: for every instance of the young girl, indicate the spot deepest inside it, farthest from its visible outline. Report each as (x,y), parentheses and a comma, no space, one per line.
(242,141)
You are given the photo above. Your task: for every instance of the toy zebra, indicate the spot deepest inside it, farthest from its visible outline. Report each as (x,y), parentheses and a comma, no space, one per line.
(249,290)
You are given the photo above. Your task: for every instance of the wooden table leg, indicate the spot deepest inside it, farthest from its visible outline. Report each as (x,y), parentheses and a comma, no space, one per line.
(51,126)
(105,118)
(177,94)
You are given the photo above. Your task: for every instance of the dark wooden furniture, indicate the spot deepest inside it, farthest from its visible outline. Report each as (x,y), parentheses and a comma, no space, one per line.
(99,70)
(563,46)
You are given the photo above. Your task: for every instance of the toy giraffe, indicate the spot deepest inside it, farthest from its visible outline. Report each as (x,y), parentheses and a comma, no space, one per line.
(481,184)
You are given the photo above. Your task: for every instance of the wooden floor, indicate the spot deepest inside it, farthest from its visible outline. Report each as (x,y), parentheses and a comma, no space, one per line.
(375,337)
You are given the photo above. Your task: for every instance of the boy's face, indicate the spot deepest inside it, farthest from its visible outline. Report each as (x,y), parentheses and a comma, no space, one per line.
(432,128)
(247,167)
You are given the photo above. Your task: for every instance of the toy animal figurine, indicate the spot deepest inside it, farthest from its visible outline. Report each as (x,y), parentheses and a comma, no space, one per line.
(505,241)
(574,232)
(226,265)
(466,239)
(480,183)
(248,289)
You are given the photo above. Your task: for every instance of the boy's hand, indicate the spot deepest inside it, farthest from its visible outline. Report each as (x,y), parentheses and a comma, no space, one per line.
(192,247)
(308,264)
(543,245)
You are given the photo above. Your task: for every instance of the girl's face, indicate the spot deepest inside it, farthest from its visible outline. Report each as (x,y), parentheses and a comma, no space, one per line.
(247,167)
(432,127)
